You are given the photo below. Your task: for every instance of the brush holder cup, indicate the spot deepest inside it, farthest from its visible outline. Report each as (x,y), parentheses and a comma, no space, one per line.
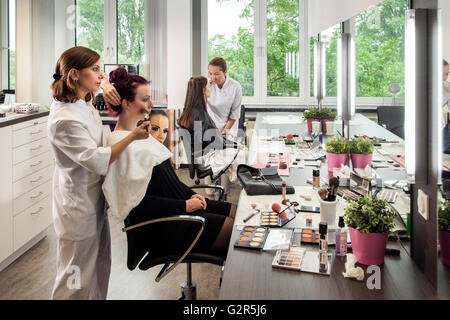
(328,212)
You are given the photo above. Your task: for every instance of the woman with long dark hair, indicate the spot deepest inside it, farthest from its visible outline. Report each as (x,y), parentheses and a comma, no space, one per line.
(216,151)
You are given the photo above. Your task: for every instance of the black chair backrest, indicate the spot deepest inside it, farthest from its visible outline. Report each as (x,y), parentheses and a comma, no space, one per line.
(186,139)
(136,245)
(242,118)
(394,119)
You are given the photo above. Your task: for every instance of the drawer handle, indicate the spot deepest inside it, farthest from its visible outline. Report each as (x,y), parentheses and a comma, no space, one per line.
(36,164)
(36,212)
(36,148)
(34,181)
(36,132)
(37,196)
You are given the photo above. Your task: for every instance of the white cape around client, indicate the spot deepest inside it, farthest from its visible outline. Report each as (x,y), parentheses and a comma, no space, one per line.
(128,177)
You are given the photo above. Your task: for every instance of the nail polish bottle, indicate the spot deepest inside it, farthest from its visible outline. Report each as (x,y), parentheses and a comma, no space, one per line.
(341,239)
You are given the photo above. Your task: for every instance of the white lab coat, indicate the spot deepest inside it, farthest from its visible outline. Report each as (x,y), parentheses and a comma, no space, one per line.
(76,138)
(225,104)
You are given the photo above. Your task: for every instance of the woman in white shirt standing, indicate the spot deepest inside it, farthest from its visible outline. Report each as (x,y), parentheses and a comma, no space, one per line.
(77,141)
(224,102)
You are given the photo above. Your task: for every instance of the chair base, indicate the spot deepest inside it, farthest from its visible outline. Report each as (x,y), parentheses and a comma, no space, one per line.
(188,291)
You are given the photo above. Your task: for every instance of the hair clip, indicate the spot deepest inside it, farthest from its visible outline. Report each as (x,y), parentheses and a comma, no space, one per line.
(56,76)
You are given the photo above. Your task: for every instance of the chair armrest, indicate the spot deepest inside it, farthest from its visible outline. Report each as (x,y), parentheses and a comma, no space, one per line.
(197,219)
(204,186)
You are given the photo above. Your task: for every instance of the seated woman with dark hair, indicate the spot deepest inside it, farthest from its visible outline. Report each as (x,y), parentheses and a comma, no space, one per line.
(143,185)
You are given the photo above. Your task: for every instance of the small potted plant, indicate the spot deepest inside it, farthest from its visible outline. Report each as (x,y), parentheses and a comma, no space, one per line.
(337,152)
(310,115)
(444,231)
(361,151)
(369,221)
(328,117)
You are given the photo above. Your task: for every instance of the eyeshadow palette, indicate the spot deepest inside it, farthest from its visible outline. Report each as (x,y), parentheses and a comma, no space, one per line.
(347,194)
(275,220)
(389,196)
(310,236)
(289,259)
(252,238)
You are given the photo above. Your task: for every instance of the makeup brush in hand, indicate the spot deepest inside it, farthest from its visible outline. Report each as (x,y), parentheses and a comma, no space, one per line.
(334,184)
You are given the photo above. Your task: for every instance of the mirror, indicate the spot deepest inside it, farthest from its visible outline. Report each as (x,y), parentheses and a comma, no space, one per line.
(443,225)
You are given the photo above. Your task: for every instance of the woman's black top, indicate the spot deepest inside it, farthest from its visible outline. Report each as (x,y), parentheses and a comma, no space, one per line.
(209,135)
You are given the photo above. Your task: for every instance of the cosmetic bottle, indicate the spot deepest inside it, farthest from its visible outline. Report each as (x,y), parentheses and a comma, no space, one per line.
(316,178)
(341,238)
(323,247)
(283,189)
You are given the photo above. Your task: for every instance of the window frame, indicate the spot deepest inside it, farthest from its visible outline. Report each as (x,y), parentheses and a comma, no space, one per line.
(5,54)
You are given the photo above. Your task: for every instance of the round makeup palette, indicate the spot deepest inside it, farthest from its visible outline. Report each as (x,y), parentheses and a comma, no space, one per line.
(252,238)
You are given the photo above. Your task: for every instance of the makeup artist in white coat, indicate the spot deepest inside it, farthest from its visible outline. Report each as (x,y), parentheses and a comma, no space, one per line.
(224,103)
(77,141)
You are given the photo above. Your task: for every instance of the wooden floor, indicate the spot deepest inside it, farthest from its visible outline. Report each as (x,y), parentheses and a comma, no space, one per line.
(31,277)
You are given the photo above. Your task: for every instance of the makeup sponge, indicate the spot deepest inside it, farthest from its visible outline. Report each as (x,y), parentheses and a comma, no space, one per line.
(276,207)
(289,136)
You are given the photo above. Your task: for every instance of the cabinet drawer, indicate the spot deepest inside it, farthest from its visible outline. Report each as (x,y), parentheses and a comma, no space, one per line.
(32,181)
(30,198)
(31,222)
(30,150)
(32,165)
(29,134)
(30,123)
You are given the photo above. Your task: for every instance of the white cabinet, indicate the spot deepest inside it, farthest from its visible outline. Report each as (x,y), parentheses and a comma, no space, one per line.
(26,171)
(6,193)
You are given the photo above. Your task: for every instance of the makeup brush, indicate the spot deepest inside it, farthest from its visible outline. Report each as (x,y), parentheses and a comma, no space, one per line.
(334,184)
(323,193)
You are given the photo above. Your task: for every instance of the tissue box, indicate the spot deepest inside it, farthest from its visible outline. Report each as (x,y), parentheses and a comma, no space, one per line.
(344,181)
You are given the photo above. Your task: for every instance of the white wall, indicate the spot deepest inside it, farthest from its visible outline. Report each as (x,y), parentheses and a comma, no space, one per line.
(323,14)
(64,12)
(179,53)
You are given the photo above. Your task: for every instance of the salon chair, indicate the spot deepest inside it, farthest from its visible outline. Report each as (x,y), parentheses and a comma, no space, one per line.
(198,171)
(393,119)
(145,256)
(242,134)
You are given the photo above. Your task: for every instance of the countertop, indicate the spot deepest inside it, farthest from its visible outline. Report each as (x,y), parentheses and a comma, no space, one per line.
(14,118)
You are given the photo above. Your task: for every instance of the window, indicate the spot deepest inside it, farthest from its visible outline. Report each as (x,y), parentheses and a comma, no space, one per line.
(130,24)
(8,44)
(283,58)
(231,36)
(380,49)
(90,25)
(329,38)
(114,29)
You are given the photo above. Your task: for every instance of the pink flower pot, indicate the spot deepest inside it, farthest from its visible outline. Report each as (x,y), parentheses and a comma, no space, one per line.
(309,123)
(444,242)
(361,161)
(368,247)
(324,125)
(336,160)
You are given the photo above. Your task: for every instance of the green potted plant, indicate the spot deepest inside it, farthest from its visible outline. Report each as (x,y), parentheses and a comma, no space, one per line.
(361,151)
(444,231)
(337,152)
(369,221)
(328,117)
(310,115)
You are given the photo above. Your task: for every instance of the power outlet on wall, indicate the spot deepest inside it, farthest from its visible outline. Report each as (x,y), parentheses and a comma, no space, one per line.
(423,204)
